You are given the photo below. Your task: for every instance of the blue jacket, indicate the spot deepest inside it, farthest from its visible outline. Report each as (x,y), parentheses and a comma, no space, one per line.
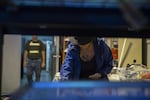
(70,69)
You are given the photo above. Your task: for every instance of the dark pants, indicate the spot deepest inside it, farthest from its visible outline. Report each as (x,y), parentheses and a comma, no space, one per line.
(33,66)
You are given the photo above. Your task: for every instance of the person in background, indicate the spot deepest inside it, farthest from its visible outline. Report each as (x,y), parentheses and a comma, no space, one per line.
(34,58)
(89,59)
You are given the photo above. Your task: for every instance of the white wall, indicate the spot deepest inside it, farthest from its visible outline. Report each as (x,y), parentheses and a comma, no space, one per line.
(132,50)
(148,52)
(11,63)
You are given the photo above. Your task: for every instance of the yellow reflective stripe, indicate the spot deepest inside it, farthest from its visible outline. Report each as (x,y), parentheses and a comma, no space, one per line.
(33,51)
(34,44)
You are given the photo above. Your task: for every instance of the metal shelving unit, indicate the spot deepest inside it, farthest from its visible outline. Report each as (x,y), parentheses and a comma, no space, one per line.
(68,17)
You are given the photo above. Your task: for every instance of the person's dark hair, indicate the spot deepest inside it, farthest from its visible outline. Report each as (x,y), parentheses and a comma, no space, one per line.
(83,40)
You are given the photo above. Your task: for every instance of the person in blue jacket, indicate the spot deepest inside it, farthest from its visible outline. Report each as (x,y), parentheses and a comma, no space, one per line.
(89,59)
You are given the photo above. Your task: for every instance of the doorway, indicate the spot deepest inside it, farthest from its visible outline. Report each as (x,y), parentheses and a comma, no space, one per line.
(46,72)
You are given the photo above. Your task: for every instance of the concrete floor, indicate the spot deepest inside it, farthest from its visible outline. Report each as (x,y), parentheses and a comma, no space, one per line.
(45,77)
